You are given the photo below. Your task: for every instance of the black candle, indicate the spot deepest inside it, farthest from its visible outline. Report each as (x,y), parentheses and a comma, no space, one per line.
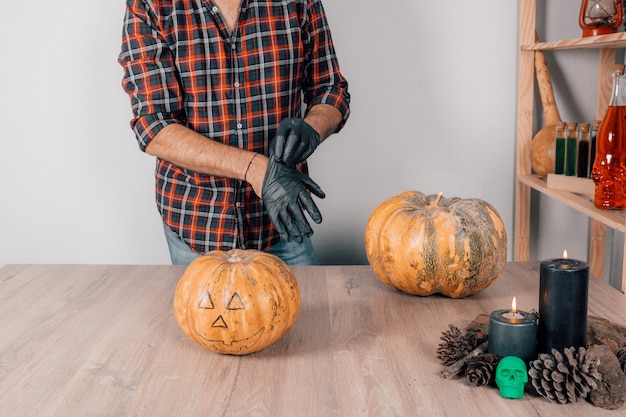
(513,333)
(563,295)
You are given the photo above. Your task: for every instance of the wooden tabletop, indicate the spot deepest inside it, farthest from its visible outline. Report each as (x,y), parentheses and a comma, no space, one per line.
(87,340)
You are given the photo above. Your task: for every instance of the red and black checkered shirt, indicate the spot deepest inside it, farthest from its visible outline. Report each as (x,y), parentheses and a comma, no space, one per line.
(182,65)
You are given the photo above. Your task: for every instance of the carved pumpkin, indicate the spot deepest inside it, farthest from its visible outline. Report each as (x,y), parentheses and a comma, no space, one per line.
(236,302)
(425,245)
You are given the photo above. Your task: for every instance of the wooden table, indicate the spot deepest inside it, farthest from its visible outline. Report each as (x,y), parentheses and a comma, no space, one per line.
(91,341)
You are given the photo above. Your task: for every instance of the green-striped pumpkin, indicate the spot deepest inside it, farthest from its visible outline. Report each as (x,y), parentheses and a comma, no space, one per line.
(427,244)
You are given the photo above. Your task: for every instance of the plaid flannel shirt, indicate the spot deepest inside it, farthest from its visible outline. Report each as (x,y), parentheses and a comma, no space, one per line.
(182,65)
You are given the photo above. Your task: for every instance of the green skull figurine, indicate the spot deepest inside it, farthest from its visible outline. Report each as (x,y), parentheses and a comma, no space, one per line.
(511,377)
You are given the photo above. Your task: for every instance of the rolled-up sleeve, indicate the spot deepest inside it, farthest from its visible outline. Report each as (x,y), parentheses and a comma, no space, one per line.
(325,84)
(149,73)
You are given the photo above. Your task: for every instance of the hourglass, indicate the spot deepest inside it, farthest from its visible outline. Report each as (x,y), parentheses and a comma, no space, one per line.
(599,17)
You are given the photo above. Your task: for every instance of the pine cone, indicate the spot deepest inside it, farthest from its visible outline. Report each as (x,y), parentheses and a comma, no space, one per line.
(481,369)
(621,357)
(564,377)
(455,345)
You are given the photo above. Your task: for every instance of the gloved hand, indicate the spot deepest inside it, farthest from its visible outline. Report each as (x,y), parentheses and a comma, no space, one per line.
(285,196)
(294,142)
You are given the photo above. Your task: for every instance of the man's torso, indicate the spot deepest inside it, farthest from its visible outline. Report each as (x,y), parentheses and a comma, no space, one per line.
(230,11)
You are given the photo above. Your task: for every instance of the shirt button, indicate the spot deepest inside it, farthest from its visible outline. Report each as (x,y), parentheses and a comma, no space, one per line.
(233,46)
(238,204)
(214,9)
(236,83)
(239,126)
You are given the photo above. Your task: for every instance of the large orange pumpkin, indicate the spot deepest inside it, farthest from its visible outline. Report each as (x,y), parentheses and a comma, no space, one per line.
(237,302)
(426,244)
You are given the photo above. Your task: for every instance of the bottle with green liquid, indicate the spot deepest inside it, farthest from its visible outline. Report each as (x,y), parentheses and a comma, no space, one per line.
(559,151)
(571,149)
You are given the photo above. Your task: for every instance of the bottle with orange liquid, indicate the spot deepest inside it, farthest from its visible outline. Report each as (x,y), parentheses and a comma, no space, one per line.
(609,167)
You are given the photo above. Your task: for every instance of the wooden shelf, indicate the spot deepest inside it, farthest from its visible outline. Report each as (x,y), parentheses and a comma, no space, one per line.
(607,47)
(615,219)
(613,40)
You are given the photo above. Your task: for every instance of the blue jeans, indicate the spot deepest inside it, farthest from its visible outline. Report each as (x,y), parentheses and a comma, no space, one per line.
(292,252)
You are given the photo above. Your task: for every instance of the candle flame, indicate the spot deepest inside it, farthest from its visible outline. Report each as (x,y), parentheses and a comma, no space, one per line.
(565,254)
(514,306)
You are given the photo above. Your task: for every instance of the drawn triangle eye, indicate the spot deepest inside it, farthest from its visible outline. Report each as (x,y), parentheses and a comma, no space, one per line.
(206,302)
(219,322)
(235,303)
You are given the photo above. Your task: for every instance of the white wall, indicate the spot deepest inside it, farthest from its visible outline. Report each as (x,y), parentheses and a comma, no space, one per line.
(433,87)
(75,188)
(433,110)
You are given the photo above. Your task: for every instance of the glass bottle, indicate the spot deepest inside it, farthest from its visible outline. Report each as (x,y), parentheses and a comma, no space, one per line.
(592,143)
(559,151)
(582,169)
(609,168)
(571,149)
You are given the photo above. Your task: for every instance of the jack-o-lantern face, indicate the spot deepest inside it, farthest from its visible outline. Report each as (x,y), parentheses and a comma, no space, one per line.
(228,323)
(236,302)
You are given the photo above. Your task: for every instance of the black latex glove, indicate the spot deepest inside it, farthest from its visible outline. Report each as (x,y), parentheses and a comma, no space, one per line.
(285,196)
(294,142)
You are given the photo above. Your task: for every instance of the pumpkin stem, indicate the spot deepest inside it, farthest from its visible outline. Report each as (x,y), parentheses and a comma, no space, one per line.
(437,200)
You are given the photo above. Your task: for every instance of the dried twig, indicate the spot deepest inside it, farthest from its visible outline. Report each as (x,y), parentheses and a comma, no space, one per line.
(456,367)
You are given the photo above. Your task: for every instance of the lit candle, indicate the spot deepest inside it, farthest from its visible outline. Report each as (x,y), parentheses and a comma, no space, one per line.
(513,333)
(563,295)
(513,313)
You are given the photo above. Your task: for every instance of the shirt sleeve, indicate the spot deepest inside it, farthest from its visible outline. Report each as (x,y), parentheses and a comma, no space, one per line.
(149,73)
(324,82)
